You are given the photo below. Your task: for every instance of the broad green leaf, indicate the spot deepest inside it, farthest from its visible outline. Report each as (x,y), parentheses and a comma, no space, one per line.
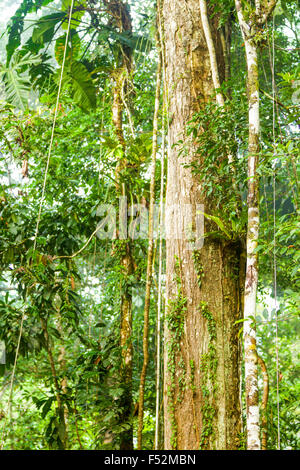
(45,27)
(219,223)
(16,24)
(82,87)
(73,47)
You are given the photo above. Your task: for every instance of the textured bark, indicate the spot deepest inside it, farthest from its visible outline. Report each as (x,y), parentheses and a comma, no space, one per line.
(212,52)
(64,383)
(149,256)
(121,17)
(158,437)
(252,260)
(213,59)
(226,33)
(126,437)
(201,390)
(60,406)
(264,404)
(252,405)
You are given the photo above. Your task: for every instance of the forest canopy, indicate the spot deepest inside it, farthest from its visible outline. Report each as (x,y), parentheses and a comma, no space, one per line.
(149,225)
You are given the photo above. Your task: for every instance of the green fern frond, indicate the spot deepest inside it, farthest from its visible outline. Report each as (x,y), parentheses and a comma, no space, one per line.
(15,78)
(79,81)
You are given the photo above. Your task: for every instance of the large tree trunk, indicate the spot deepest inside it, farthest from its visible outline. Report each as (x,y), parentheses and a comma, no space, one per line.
(201,390)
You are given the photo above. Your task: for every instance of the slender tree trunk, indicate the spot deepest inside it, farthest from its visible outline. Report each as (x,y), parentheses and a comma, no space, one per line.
(250,26)
(253,430)
(158,437)
(264,404)
(225,34)
(60,406)
(213,60)
(121,16)
(127,351)
(149,255)
(212,52)
(252,404)
(64,381)
(201,389)
(126,295)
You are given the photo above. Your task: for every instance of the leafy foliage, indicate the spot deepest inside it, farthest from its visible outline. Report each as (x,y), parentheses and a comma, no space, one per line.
(80,82)
(16,25)
(78,297)
(15,78)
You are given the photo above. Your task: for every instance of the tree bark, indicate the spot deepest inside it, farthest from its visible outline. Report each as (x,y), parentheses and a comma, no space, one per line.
(264,404)
(252,406)
(64,381)
(58,392)
(149,254)
(201,389)
(121,16)
(212,52)
(253,429)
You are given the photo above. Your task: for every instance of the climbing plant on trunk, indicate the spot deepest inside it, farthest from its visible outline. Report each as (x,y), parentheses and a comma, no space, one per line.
(121,16)
(150,252)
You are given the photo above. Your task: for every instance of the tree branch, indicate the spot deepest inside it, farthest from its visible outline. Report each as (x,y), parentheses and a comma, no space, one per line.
(268,10)
(245,28)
